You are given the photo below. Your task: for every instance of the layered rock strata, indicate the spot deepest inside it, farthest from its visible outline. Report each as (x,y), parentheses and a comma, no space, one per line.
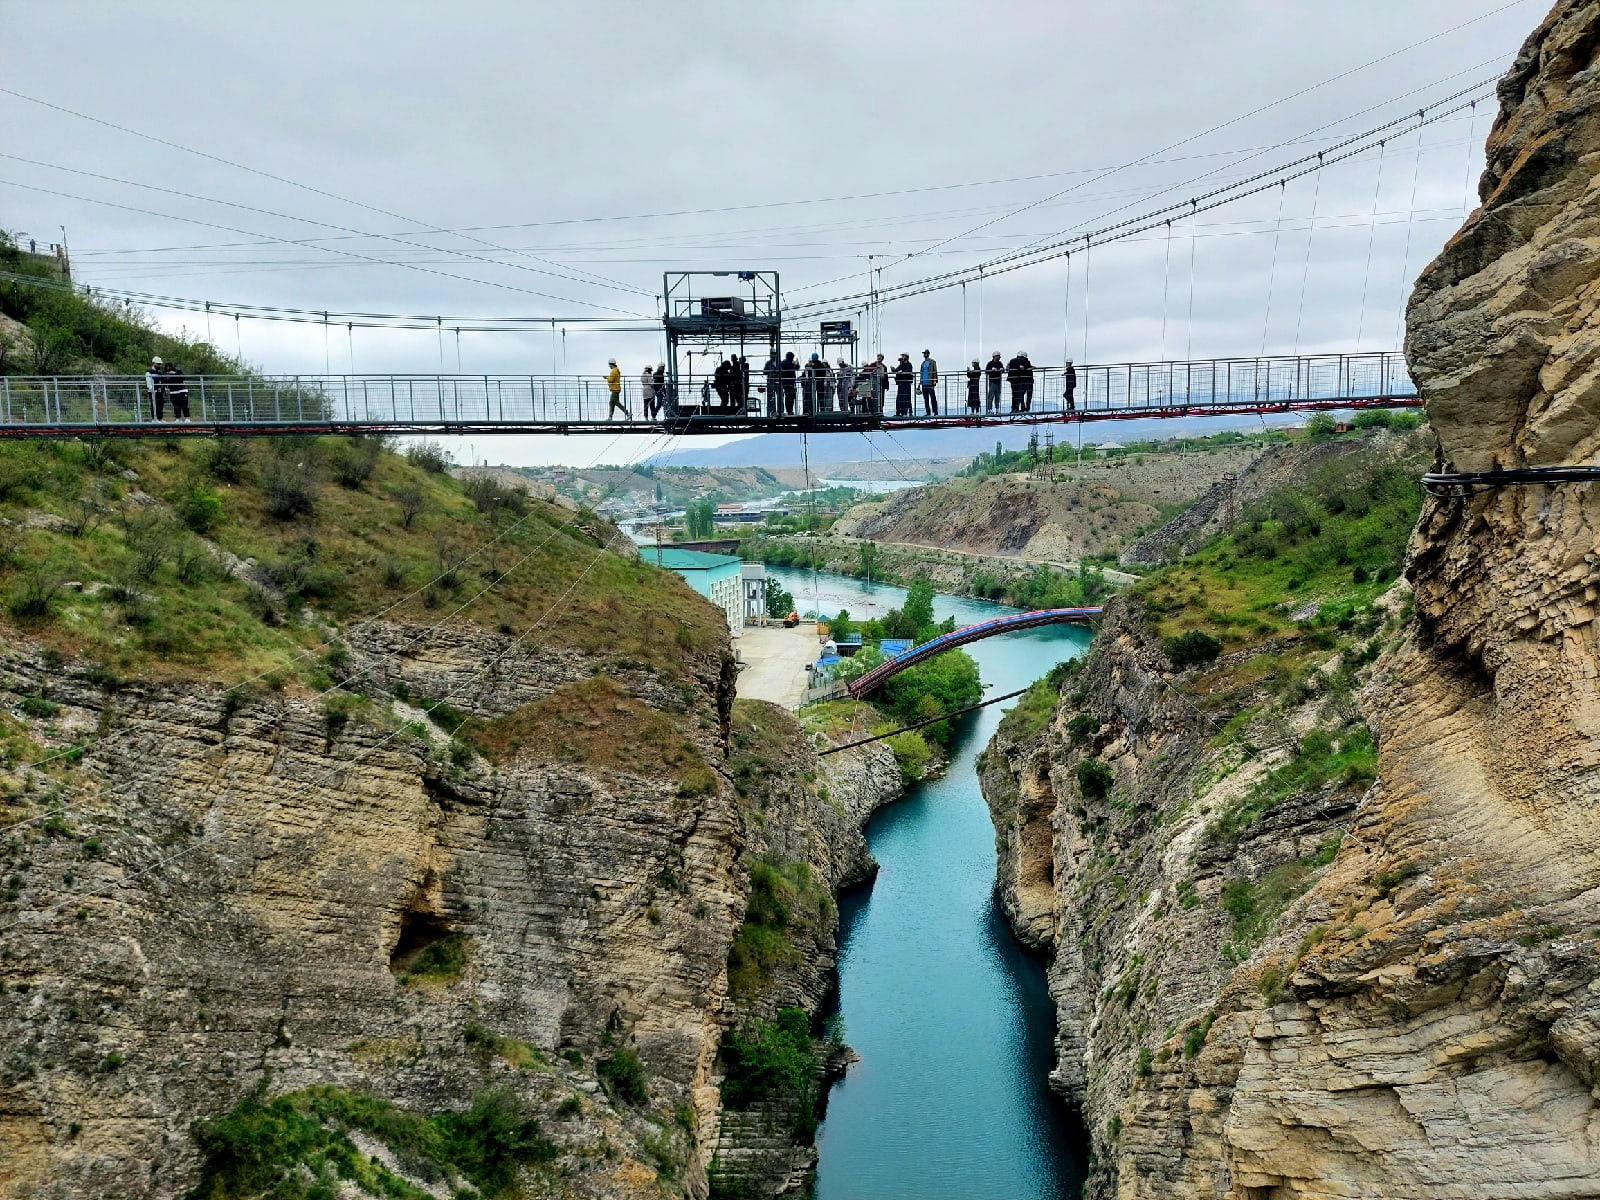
(1424,1021)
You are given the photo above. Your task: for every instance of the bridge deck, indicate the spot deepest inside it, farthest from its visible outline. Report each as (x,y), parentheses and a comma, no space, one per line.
(54,406)
(993,627)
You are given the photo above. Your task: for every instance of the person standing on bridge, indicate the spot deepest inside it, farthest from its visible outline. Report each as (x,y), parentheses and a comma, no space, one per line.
(928,377)
(660,384)
(788,369)
(1069,386)
(1014,378)
(904,373)
(614,387)
(177,389)
(647,391)
(772,372)
(1027,382)
(974,379)
(844,377)
(993,374)
(154,383)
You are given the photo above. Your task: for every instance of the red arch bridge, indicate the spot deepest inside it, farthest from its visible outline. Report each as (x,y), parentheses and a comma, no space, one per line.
(121,406)
(993,627)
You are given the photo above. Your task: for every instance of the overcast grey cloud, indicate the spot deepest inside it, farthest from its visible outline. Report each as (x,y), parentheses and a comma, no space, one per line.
(559,139)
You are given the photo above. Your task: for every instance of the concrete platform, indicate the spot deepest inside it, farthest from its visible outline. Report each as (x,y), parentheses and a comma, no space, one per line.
(776,661)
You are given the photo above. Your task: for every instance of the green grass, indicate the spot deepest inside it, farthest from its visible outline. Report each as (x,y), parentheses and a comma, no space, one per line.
(297,1147)
(786,899)
(1346,758)
(439,963)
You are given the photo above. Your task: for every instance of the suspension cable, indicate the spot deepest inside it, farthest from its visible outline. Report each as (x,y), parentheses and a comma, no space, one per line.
(1166,288)
(1272,276)
(1372,233)
(1305,273)
(1405,258)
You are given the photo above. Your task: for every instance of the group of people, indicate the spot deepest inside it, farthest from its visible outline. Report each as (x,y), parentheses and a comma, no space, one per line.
(164,381)
(817,387)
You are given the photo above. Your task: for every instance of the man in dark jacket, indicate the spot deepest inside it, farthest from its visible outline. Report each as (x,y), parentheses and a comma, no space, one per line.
(1027,382)
(787,370)
(1014,378)
(904,374)
(177,391)
(993,374)
(772,372)
(720,382)
(974,380)
(1069,385)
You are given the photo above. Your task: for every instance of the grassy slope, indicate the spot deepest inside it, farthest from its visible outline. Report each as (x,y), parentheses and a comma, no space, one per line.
(145,594)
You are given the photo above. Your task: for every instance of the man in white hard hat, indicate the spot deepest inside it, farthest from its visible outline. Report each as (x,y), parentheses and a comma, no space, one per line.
(156,386)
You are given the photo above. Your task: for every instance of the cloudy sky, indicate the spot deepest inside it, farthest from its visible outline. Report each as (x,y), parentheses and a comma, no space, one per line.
(552,160)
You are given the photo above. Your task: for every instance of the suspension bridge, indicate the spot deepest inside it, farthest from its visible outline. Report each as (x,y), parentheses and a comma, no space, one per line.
(121,406)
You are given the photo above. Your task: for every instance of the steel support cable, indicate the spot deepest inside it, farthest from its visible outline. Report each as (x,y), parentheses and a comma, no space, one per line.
(321,647)
(1372,234)
(1457,483)
(1305,91)
(1466,187)
(238,166)
(1188,345)
(328,249)
(922,724)
(343,229)
(1305,272)
(1262,181)
(371,750)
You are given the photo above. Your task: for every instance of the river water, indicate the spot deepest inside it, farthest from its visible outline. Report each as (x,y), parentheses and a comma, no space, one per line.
(950,1016)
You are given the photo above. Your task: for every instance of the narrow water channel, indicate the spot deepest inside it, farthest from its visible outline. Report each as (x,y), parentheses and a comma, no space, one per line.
(950,1016)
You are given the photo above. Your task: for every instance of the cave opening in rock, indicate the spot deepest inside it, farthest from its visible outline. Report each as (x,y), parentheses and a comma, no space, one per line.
(419,929)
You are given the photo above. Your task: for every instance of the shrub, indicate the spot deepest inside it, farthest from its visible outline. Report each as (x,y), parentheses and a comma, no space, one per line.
(200,508)
(1191,648)
(225,459)
(1094,779)
(33,594)
(430,456)
(289,490)
(1082,727)
(353,461)
(1321,426)
(623,1075)
(911,754)
(490,496)
(768,1060)
(411,500)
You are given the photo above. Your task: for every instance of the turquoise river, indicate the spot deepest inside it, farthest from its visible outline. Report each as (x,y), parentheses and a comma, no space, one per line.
(950,1016)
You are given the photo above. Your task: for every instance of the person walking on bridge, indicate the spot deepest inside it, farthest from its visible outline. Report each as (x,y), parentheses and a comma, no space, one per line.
(993,374)
(974,379)
(904,373)
(614,388)
(928,377)
(1069,385)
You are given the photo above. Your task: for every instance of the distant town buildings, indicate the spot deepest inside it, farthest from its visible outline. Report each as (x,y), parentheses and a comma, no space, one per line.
(717,577)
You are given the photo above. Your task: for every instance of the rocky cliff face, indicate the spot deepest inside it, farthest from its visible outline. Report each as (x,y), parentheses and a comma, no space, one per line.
(1422,1019)
(233,890)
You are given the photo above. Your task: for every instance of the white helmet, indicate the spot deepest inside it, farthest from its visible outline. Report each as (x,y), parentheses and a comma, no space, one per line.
(155,362)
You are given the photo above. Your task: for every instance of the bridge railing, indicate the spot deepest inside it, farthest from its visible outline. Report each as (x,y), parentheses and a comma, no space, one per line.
(444,401)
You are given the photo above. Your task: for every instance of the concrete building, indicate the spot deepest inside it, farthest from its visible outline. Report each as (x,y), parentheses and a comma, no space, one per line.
(753,576)
(717,577)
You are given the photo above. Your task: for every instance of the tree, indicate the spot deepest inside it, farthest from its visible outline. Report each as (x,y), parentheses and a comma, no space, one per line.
(700,519)
(779,602)
(841,627)
(1321,427)
(918,608)
(658,491)
(867,560)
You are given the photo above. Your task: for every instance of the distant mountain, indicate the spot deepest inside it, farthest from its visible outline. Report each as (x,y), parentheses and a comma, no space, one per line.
(783,449)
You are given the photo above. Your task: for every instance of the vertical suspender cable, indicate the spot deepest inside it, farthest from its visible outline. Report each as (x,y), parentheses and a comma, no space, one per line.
(238,341)
(1472,139)
(350,332)
(1372,232)
(1194,238)
(1086,311)
(981,342)
(1272,276)
(963,325)
(327,351)
(439,325)
(1305,271)
(1405,258)
(1166,288)
(1066,316)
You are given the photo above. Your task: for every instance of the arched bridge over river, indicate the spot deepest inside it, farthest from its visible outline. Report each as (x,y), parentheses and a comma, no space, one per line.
(875,678)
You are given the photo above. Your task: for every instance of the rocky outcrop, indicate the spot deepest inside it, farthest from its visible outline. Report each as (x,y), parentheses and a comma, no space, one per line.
(1422,1017)
(233,889)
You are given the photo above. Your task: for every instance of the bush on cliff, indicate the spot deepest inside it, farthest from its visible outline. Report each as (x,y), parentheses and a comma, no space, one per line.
(1095,779)
(769,1061)
(1191,649)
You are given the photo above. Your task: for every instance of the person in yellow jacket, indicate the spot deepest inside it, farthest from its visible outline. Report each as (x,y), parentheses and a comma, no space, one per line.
(614,383)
